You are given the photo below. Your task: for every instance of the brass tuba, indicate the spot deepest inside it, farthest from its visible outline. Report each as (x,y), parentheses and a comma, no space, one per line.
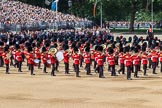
(52,51)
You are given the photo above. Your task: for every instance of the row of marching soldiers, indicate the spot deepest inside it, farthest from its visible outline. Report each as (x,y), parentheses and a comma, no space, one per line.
(129,61)
(16,55)
(98,55)
(132,61)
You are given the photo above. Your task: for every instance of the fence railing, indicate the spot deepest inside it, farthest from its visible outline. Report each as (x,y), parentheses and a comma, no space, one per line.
(136,25)
(45,26)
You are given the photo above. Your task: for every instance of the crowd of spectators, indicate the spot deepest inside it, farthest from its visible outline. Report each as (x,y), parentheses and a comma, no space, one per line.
(15,12)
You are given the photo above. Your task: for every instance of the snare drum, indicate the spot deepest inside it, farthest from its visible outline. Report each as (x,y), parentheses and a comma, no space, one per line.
(36,62)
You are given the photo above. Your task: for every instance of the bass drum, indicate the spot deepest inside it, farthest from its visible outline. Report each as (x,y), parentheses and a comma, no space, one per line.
(59,56)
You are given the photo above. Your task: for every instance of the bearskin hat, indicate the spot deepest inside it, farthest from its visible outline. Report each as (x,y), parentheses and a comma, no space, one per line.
(96,47)
(130,39)
(135,50)
(1,43)
(87,44)
(121,49)
(6,48)
(160,47)
(53,40)
(17,46)
(144,48)
(126,49)
(78,44)
(33,45)
(60,40)
(100,48)
(65,47)
(87,49)
(29,49)
(73,45)
(47,43)
(110,50)
(55,45)
(27,44)
(38,45)
(65,42)
(43,49)
(75,49)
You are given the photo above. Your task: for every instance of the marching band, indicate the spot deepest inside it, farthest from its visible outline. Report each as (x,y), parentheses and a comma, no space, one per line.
(93,50)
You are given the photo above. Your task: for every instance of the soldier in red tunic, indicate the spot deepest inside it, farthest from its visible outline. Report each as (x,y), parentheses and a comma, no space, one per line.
(81,51)
(76,58)
(128,64)
(95,61)
(44,59)
(1,52)
(107,56)
(154,58)
(30,60)
(38,54)
(121,63)
(6,57)
(14,57)
(87,60)
(144,62)
(11,58)
(136,62)
(55,45)
(111,61)
(92,56)
(96,55)
(18,56)
(66,58)
(160,58)
(149,59)
(100,62)
(52,58)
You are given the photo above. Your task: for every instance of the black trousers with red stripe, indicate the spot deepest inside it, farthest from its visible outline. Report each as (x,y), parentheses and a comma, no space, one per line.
(144,68)
(100,69)
(88,68)
(19,63)
(66,68)
(129,68)
(122,68)
(154,64)
(76,68)
(7,68)
(136,70)
(113,70)
(31,66)
(53,69)
(161,67)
